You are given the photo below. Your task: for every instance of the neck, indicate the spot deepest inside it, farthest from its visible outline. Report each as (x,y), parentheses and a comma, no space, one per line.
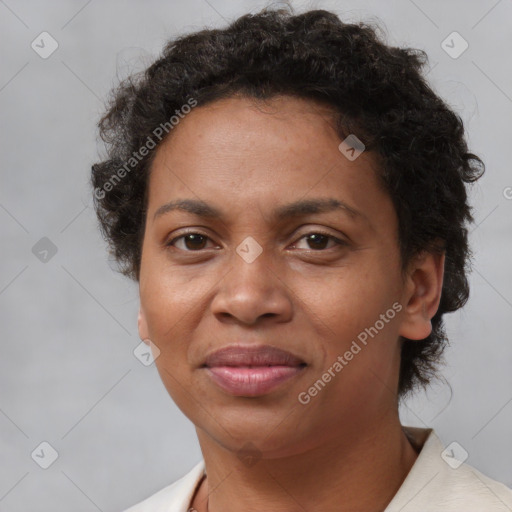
(354,470)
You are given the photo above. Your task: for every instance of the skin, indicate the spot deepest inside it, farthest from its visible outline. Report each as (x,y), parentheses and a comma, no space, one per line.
(247,158)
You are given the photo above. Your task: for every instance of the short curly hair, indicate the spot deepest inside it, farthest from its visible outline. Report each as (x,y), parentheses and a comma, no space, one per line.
(375,90)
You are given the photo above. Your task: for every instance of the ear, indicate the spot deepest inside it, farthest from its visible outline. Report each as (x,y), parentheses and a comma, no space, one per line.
(422,295)
(143,326)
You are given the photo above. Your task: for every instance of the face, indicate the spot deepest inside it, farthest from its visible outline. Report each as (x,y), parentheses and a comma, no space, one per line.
(311,280)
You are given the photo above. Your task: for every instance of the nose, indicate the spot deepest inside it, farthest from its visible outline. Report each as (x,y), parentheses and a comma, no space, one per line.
(252,291)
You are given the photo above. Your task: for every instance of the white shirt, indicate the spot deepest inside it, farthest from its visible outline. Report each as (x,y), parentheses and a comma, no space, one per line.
(435,483)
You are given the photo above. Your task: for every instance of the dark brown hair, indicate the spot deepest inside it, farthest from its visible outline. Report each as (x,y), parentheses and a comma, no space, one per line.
(378,93)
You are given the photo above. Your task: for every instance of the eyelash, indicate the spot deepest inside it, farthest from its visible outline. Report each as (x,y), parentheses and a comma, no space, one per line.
(336,240)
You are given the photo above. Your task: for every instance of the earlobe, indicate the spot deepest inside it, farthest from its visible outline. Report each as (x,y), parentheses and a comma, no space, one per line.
(143,327)
(423,295)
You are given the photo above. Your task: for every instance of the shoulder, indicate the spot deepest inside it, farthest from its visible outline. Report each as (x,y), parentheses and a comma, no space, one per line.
(175,497)
(438,481)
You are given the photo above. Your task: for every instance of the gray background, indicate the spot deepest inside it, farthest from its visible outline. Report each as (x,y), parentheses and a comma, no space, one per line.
(68,374)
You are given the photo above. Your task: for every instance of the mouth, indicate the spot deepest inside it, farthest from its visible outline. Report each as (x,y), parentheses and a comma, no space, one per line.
(252,370)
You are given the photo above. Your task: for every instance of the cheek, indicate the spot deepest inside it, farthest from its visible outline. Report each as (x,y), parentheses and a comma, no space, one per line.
(170,302)
(355,316)
(163,310)
(174,304)
(169,312)
(351,301)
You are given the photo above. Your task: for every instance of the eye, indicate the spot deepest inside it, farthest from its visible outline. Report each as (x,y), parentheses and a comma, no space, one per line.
(319,240)
(192,241)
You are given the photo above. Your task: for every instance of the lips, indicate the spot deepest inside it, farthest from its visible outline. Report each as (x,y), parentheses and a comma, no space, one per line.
(252,371)
(262,355)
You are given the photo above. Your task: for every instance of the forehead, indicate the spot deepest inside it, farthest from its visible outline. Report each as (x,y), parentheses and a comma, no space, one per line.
(280,125)
(237,152)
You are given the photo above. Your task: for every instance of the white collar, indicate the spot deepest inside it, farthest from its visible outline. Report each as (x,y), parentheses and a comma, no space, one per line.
(431,485)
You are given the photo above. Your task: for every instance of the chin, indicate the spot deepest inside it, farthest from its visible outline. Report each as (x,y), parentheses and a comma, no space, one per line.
(271,435)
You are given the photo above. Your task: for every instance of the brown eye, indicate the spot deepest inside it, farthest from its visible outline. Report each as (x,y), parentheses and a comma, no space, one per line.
(191,241)
(318,241)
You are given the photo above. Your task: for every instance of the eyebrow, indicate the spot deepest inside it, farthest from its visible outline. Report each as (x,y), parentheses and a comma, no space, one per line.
(296,209)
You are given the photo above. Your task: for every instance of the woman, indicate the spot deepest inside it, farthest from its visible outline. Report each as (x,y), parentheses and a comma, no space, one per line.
(290,195)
